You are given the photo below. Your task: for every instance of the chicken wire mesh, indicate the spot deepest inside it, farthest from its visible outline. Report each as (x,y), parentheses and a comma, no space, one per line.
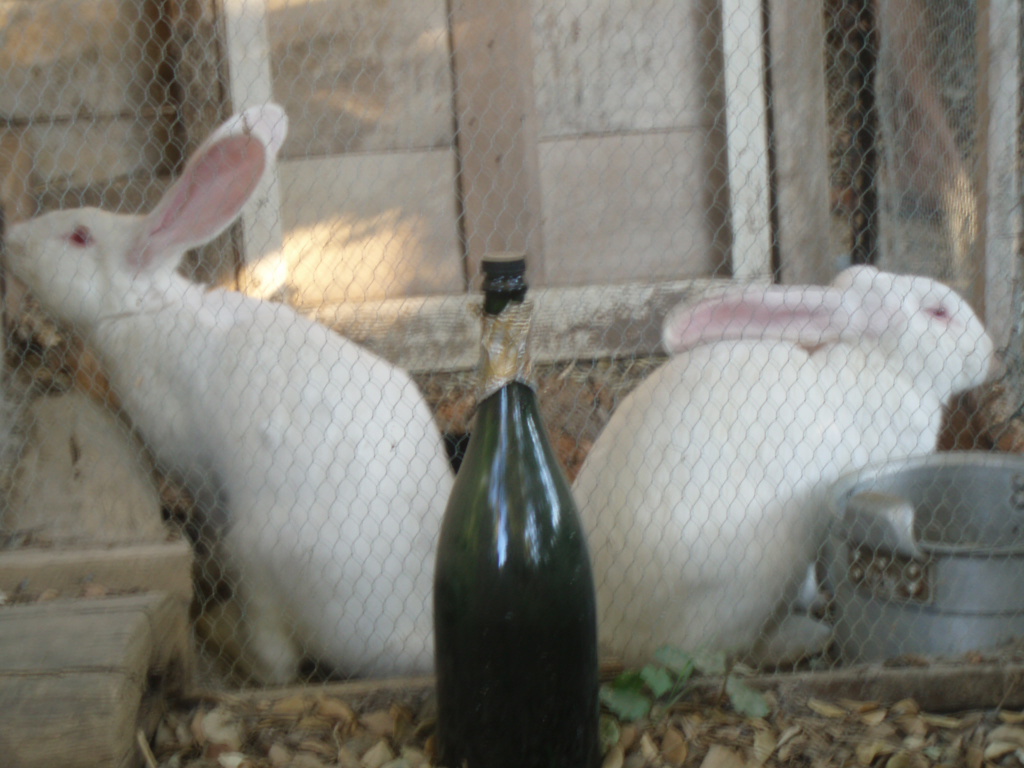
(640,153)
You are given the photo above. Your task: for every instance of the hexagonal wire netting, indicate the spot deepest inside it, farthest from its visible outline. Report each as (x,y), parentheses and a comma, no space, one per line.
(644,155)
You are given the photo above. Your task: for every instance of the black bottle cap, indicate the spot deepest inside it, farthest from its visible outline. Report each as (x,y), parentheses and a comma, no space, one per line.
(508,264)
(504,273)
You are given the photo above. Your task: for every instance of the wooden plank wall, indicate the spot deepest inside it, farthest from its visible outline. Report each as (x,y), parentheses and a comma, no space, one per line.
(999,180)
(83,98)
(800,140)
(632,153)
(368,174)
(584,134)
(589,133)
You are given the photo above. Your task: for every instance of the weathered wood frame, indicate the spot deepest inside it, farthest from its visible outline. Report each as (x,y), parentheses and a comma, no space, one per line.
(998,177)
(424,334)
(774,109)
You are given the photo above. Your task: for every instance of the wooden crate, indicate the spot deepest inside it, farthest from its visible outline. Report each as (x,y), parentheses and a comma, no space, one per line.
(84,678)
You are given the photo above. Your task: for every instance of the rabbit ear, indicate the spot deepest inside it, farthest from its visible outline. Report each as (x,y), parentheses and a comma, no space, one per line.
(217,182)
(803,314)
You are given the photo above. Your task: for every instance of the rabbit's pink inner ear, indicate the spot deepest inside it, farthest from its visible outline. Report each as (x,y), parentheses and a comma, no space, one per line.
(210,194)
(806,315)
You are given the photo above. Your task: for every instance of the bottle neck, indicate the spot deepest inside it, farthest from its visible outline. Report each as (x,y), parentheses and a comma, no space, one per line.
(504,343)
(495,301)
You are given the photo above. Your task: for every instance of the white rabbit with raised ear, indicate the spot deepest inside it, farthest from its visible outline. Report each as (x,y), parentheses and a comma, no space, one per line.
(319,462)
(704,496)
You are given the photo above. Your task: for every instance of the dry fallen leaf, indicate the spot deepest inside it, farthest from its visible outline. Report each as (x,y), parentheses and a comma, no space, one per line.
(905,707)
(998,749)
(377,755)
(914,742)
(867,751)
(233,760)
(825,709)
(722,757)
(691,725)
(414,757)
(317,747)
(874,717)
(647,748)
(279,755)
(789,734)
(218,730)
(290,705)
(858,707)
(336,709)
(674,748)
(306,760)
(348,759)
(315,723)
(764,744)
(614,758)
(912,725)
(629,733)
(1011,733)
(379,723)
(906,760)
(942,721)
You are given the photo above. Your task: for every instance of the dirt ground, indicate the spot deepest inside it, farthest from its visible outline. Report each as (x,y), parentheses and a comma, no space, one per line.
(391,725)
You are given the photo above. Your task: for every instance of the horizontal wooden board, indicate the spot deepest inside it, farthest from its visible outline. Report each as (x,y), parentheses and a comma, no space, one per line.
(612,66)
(937,687)
(61,58)
(96,152)
(80,678)
(362,75)
(137,193)
(373,226)
(442,333)
(165,567)
(632,207)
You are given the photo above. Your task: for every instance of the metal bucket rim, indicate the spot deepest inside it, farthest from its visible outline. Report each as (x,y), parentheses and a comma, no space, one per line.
(845,486)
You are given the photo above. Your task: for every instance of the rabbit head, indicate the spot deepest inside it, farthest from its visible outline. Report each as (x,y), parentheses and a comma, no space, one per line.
(921,325)
(84,264)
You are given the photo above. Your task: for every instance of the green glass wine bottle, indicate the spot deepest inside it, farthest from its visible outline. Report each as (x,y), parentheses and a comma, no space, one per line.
(514,610)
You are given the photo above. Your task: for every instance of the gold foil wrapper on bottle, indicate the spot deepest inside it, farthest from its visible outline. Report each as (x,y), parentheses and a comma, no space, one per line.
(504,348)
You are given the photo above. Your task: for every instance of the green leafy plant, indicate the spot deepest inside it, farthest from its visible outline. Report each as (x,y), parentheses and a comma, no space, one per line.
(632,695)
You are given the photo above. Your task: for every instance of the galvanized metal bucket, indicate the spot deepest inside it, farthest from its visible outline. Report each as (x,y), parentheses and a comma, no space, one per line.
(926,556)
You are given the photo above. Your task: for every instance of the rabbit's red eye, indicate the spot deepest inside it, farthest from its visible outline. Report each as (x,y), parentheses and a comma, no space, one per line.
(939,312)
(80,236)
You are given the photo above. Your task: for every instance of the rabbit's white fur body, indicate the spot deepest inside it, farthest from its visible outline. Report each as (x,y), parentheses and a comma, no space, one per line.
(704,496)
(320,461)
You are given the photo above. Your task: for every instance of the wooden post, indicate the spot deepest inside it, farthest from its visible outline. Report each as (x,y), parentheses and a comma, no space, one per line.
(201,80)
(497,131)
(998,179)
(746,121)
(15,177)
(800,139)
(263,269)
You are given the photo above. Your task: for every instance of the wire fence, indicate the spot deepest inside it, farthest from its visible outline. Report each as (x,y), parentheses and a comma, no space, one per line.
(646,156)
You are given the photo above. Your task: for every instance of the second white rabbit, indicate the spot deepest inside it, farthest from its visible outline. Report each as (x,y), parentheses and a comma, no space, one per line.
(704,496)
